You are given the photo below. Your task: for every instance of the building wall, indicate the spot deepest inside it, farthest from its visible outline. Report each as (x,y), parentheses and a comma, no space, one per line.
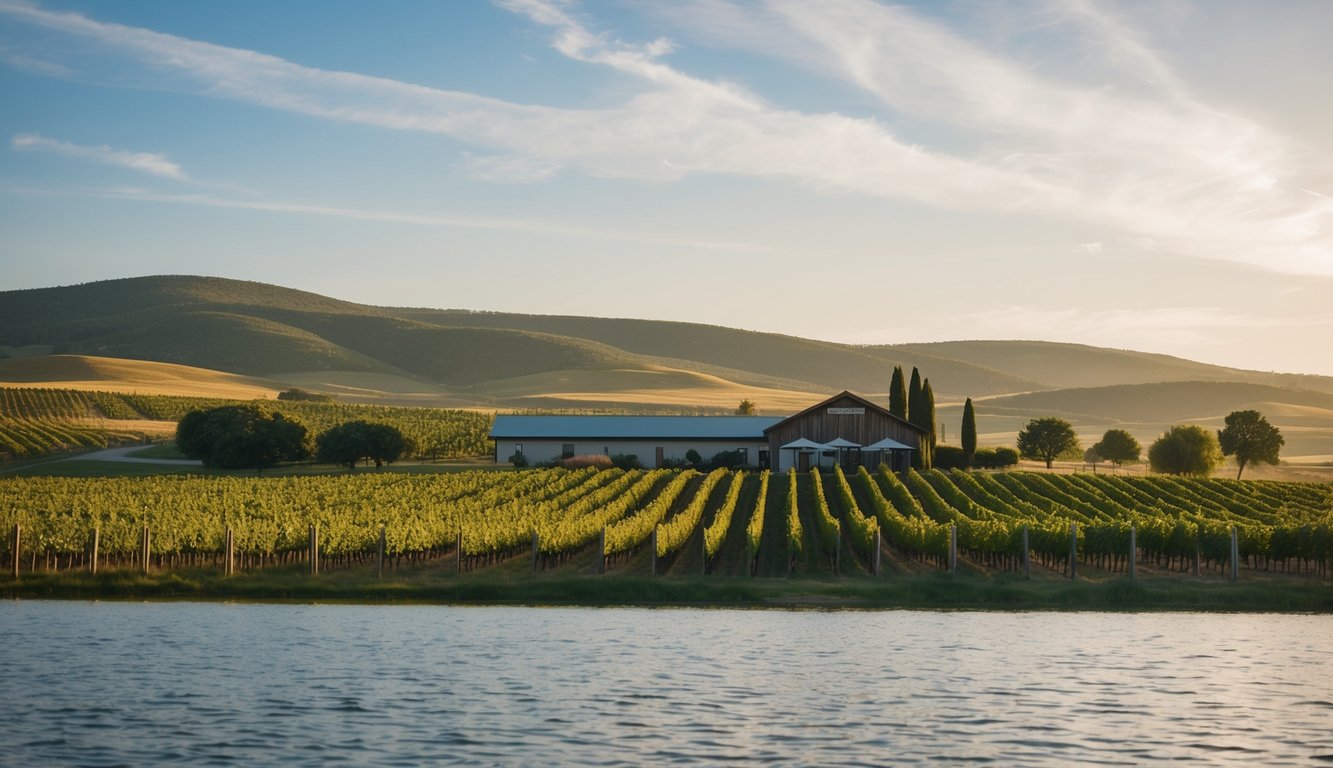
(863,428)
(539,450)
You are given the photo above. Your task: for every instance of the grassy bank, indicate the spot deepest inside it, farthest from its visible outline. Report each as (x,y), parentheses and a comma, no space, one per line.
(925,591)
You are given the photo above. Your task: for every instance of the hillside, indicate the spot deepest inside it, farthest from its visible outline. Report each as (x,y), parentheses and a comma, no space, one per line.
(278,337)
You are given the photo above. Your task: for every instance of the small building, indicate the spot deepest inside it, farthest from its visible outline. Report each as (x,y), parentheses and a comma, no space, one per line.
(655,440)
(845,429)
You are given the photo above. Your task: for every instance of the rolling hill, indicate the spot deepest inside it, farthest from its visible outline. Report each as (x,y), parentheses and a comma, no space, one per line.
(279,337)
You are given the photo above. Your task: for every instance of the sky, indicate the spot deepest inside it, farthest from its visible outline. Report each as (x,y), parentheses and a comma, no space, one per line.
(1152,175)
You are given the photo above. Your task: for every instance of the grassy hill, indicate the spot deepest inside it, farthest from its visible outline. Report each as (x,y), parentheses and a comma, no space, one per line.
(280,337)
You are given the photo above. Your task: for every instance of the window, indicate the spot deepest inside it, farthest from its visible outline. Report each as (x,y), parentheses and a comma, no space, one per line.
(567,450)
(518,447)
(745,456)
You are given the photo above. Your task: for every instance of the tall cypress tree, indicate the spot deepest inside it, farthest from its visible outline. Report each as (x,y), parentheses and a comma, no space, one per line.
(928,423)
(969,433)
(898,394)
(914,397)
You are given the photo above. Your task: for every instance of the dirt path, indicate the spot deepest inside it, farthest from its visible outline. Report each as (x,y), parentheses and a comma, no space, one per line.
(122,454)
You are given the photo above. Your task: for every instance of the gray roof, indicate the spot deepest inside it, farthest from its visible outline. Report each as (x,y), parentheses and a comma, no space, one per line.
(633,427)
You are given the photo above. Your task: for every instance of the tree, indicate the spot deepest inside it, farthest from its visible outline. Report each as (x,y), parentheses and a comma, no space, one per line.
(746,408)
(1092,456)
(928,424)
(300,395)
(352,441)
(898,394)
(1185,449)
(969,433)
(241,436)
(1249,437)
(1118,446)
(914,396)
(1045,439)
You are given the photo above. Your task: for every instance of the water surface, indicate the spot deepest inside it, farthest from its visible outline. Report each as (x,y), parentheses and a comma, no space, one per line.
(219,684)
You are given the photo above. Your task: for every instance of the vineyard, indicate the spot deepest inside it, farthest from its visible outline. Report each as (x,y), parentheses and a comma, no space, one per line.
(37,421)
(679,522)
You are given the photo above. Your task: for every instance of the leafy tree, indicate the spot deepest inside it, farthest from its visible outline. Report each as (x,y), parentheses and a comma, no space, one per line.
(1118,446)
(746,408)
(898,394)
(969,430)
(1047,438)
(1091,456)
(1185,449)
(1249,437)
(241,437)
(352,441)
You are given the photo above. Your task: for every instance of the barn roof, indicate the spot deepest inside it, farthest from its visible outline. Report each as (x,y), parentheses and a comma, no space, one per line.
(511,427)
(846,395)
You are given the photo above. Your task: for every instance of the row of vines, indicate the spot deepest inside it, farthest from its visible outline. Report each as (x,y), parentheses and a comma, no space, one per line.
(487,517)
(36,421)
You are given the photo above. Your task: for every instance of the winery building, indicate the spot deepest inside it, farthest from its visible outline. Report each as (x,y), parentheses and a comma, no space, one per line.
(845,429)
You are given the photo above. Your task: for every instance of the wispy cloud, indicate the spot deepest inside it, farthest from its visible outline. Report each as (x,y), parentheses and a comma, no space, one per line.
(144,162)
(1153,161)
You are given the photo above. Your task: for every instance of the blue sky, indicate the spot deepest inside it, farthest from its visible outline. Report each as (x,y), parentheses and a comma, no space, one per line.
(1152,176)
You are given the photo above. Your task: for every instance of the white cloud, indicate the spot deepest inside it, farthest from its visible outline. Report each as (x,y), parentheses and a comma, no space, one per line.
(143,162)
(1153,162)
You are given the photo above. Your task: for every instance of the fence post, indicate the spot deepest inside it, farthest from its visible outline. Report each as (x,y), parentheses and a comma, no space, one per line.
(97,540)
(703,550)
(1073,550)
(229,554)
(379,560)
(1195,569)
(878,546)
(535,540)
(1235,554)
(653,544)
(601,564)
(18,541)
(314,549)
(458,553)
(146,548)
(837,552)
(953,549)
(1027,555)
(1133,551)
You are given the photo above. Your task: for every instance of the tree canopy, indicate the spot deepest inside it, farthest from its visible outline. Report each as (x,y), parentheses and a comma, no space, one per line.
(747,408)
(898,394)
(1047,438)
(1118,446)
(241,437)
(355,440)
(969,433)
(1249,437)
(1185,449)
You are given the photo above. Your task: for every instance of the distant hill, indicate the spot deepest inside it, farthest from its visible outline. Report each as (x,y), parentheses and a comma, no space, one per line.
(280,336)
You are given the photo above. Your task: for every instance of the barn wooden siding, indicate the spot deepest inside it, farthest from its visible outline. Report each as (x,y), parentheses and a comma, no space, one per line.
(864,429)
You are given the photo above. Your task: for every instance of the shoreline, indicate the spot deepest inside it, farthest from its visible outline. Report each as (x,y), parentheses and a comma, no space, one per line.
(924,591)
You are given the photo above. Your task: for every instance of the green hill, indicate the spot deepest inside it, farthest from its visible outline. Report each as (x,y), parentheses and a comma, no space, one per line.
(462,358)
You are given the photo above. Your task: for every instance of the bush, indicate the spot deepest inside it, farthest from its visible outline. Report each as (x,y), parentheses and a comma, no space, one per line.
(626,461)
(995,458)
(518,460)
(693,458)
(296,394)
(599,460)
(727,460)
(949,457)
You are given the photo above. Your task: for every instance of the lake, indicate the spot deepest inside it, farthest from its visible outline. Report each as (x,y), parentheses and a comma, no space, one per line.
(109,683)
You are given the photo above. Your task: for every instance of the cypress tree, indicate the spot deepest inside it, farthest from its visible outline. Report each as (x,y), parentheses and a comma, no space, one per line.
(914,397)
(898,394)
(928,423)
(969,433)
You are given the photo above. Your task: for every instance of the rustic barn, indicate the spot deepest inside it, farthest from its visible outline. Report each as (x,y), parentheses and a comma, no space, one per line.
(846,429)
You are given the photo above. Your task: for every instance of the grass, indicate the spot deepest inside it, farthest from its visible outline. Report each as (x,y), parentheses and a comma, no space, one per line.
(166,450)
(507,586)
